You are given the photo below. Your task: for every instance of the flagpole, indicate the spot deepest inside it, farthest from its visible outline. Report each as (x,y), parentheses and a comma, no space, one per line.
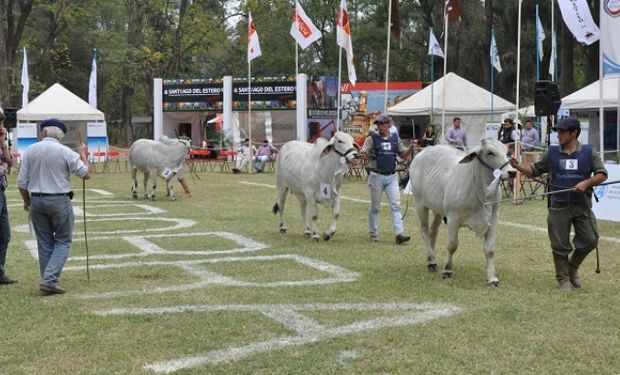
(554,52)
(249,110)
(445,71)
(537,52)
(432,80)
(338,127)
(387,57)
(518,177)
(601,80)
(492,88)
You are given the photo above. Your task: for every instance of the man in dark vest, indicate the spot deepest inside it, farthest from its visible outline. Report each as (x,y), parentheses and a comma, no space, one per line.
(381,148)
(576,166)
(508,135)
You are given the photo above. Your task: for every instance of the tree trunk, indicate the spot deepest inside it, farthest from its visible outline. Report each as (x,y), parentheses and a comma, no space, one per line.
(567,74)
(488,20)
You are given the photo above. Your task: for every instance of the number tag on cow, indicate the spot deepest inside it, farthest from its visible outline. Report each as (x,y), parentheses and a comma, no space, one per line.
(326,191)
(343,161)
(166,173)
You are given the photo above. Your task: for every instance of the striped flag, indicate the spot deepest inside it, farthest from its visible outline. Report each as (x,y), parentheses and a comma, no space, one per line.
(343,39)
(253,43)
(25,80)
(433,46)
(303,29)
(495,54)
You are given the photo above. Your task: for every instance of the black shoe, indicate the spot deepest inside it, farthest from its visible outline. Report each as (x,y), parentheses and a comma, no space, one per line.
(402,239)
(48,289)
(6,281)
(235,171)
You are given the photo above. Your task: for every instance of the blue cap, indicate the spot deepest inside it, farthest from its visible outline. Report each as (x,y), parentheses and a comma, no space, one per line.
(54,122)
(383,118)
(568,123)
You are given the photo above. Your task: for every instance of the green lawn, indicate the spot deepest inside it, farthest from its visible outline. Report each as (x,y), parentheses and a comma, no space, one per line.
(223,292)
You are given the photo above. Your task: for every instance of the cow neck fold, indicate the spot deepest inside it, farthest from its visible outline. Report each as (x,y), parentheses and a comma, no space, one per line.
(331,171)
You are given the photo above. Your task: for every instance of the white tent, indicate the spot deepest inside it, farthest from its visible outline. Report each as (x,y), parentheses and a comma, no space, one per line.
(58,102)
(588,97)
(84,123)
(463,98)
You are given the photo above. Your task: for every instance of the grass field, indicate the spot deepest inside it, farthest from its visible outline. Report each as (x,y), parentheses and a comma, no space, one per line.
(208,285)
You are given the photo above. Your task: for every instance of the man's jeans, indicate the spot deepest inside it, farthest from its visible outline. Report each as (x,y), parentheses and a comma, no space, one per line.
(378,184)
(5,231)
(52,219)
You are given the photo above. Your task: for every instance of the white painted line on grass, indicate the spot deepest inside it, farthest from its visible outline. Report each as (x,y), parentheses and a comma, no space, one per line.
(534,228)
(292,318)
(208,278)
(177,224)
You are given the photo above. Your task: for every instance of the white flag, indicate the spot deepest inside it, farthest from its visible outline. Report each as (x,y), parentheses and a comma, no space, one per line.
(253,44)
(540,36)
(495,54)
(433,46)
(553,55)
(25,80)
(610,43)
(92,82)
(578,19)
(302,28)
(343,39)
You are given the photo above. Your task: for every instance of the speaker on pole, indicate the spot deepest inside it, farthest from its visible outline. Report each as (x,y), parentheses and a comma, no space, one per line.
(547,99)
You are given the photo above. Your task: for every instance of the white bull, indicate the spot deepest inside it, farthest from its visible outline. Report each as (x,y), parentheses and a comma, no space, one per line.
(314,173)
(456,187)
(164,157)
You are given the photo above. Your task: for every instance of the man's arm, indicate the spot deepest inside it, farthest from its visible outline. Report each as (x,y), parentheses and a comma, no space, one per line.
(25,198)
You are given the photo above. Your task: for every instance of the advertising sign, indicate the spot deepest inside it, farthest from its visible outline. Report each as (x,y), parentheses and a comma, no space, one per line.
(192,95)
(268,95)
(608,205)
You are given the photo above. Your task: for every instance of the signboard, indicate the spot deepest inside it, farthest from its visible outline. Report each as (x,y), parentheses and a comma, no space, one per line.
(192,95)
(269,95)
(492,129)
(608,205)
(26,135)
(97,140)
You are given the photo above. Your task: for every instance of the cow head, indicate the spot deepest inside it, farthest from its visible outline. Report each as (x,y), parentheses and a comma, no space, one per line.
(342,144)
(492,154)
(186,142)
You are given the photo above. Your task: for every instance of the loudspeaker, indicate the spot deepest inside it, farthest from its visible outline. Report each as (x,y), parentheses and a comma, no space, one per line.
(10,117)
(547,99)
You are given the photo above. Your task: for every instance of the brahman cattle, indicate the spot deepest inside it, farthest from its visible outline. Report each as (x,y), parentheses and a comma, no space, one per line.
(164,157)
(464,190)
(314,173)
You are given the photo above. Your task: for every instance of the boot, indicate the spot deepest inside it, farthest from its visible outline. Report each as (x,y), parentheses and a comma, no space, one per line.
(574,262)
(561,272)
(186,188)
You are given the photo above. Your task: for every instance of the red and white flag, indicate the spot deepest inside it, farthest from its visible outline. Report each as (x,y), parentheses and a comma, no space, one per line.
(453,9)
(253,44)
(302,28)
(343,38)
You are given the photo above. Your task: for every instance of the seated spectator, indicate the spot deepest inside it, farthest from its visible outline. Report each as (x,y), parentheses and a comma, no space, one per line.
(265,153)
(244,155)
(429,138)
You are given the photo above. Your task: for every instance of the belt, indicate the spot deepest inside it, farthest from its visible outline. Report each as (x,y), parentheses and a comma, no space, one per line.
(49,194)
(567,204)
(384,173)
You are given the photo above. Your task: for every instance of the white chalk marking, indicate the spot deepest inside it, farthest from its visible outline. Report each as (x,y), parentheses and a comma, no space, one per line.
(178,224)
(291,317)
(207,278)
(345,356)
(145,209)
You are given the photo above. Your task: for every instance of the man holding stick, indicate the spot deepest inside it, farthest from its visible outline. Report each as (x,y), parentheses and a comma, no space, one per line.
(576,166)
(44,182)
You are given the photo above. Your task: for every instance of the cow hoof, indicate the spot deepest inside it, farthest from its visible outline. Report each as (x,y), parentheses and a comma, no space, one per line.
(307,235)
(173,198)
(315,238)
(432,268)
(282,230)
(494,283)
(327,237)
(446,275)
(146,196)
(134,196)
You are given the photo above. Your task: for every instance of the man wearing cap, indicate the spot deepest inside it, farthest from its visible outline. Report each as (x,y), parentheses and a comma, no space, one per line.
(44,182)
(381,148)
(576,166)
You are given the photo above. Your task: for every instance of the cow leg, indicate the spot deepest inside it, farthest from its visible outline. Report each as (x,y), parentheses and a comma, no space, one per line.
(335,215)
(303,207)
(489,253)
(134,183)
(431,262)
(279,208)
(153,178)
(432,236)
(169,187)
(453,244)
(145,184)
(314,215)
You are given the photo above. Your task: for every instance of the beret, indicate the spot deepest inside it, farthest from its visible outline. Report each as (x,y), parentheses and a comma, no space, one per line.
(54,122)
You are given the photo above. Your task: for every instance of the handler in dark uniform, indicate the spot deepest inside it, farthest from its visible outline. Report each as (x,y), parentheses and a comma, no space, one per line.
(570,164)
(381,148)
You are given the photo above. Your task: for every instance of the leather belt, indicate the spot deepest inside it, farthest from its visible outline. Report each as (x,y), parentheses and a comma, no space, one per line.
(384,173)
(49,194)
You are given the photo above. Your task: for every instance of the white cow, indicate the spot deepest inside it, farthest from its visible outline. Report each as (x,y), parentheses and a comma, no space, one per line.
(456,186)
(164,157)
(314,173)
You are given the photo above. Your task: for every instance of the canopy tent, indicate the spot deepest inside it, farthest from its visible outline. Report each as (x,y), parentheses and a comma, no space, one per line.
(585,102)
(463,98)
(57,102)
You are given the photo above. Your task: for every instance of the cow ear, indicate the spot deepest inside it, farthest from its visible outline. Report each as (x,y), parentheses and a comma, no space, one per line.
(328,147)
(468,158)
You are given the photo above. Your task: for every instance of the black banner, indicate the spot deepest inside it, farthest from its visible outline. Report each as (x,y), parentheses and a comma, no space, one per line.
(192,96)
(265,95)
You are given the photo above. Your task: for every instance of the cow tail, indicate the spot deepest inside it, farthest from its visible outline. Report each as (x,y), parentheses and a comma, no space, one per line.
(275,209)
